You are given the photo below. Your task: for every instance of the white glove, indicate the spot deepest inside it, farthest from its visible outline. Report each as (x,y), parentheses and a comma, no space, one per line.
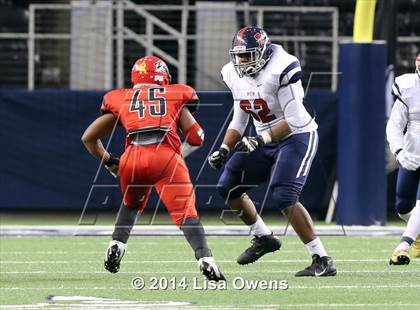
(408,160)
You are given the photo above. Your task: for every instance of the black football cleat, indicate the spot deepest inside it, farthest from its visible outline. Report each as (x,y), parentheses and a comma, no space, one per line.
(260,246)
(320,267)
(113,256)
(210,270)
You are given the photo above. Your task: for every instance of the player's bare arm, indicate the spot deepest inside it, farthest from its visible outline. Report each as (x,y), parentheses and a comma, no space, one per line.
(91,138)
(186,120)
(232,136)
(97,130)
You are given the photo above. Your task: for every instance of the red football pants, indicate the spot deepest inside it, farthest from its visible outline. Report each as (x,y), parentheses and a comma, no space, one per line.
(142,167)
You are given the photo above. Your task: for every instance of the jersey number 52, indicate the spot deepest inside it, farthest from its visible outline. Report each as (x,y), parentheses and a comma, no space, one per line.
(156,105)
(258,109)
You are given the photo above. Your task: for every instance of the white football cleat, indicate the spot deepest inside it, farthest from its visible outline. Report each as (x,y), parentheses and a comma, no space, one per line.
(113,255)
(210,270)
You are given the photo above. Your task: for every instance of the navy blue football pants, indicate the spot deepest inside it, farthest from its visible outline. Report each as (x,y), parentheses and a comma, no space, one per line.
(285,164)
(408,190)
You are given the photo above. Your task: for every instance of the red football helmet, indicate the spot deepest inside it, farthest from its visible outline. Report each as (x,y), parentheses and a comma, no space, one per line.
(150,70)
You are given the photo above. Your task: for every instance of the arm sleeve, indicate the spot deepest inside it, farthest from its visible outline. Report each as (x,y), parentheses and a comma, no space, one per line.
(195,135)
(396,125)
(291,102)
(239,120)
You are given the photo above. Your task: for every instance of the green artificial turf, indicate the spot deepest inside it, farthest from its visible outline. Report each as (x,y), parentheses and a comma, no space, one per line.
(33,268)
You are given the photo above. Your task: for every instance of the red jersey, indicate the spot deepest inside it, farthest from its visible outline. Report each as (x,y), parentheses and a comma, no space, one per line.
(150,108)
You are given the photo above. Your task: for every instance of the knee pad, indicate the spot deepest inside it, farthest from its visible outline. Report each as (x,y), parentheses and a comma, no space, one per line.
(404,206)
(285,196)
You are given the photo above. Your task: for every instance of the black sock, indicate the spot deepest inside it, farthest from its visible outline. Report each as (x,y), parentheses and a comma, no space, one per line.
(125,221)
(196,237)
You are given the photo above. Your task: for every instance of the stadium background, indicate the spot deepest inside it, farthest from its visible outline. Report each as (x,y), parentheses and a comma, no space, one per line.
(57,58)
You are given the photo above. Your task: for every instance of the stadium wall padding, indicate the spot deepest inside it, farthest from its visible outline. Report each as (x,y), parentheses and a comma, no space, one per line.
(44,165)
(361,160)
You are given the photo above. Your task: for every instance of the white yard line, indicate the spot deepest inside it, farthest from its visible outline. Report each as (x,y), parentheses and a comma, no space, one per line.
(230,307)
(101,252)
(338,306)
(279,261)
(195,271)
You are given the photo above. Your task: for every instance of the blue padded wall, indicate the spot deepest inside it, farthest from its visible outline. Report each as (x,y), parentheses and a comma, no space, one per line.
(361,161)
(45,166)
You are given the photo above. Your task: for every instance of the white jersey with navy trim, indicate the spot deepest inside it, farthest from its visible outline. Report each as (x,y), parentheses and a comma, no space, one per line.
(274,94)
(403,128)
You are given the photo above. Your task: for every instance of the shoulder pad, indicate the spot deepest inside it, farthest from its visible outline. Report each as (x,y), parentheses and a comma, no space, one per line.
(407,80)
(193,103)
(284,67)
(403,84)
(191,100)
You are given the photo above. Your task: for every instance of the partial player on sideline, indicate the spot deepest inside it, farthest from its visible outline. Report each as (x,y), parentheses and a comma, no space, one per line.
(403,134)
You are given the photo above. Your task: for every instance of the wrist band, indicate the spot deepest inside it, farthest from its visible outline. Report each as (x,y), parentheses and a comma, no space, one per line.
(224,146)
(266,137)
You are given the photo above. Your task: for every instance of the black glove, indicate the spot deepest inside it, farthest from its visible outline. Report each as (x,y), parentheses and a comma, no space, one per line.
(217,159)
(112,165)
(249,144)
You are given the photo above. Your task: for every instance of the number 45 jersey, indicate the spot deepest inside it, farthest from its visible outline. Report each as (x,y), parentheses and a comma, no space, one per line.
(148,108)
(275,93)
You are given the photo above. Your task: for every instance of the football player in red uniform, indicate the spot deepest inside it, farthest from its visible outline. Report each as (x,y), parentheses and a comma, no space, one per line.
(151,113)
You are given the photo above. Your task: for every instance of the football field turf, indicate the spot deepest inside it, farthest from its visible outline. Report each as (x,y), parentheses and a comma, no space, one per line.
(33,268)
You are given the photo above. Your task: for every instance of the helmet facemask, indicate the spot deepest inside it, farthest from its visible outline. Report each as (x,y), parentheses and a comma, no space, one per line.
(255,63)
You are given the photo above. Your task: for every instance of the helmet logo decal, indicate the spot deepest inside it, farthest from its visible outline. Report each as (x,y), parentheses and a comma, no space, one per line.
(161,67)
(143,67)
(260,37)
(239,48)
(239,40)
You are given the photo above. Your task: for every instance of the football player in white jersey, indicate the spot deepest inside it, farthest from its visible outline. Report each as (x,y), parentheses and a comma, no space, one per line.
(403,134)
(265,83)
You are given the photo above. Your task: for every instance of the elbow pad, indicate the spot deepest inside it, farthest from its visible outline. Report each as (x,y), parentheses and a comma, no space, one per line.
(195,135)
